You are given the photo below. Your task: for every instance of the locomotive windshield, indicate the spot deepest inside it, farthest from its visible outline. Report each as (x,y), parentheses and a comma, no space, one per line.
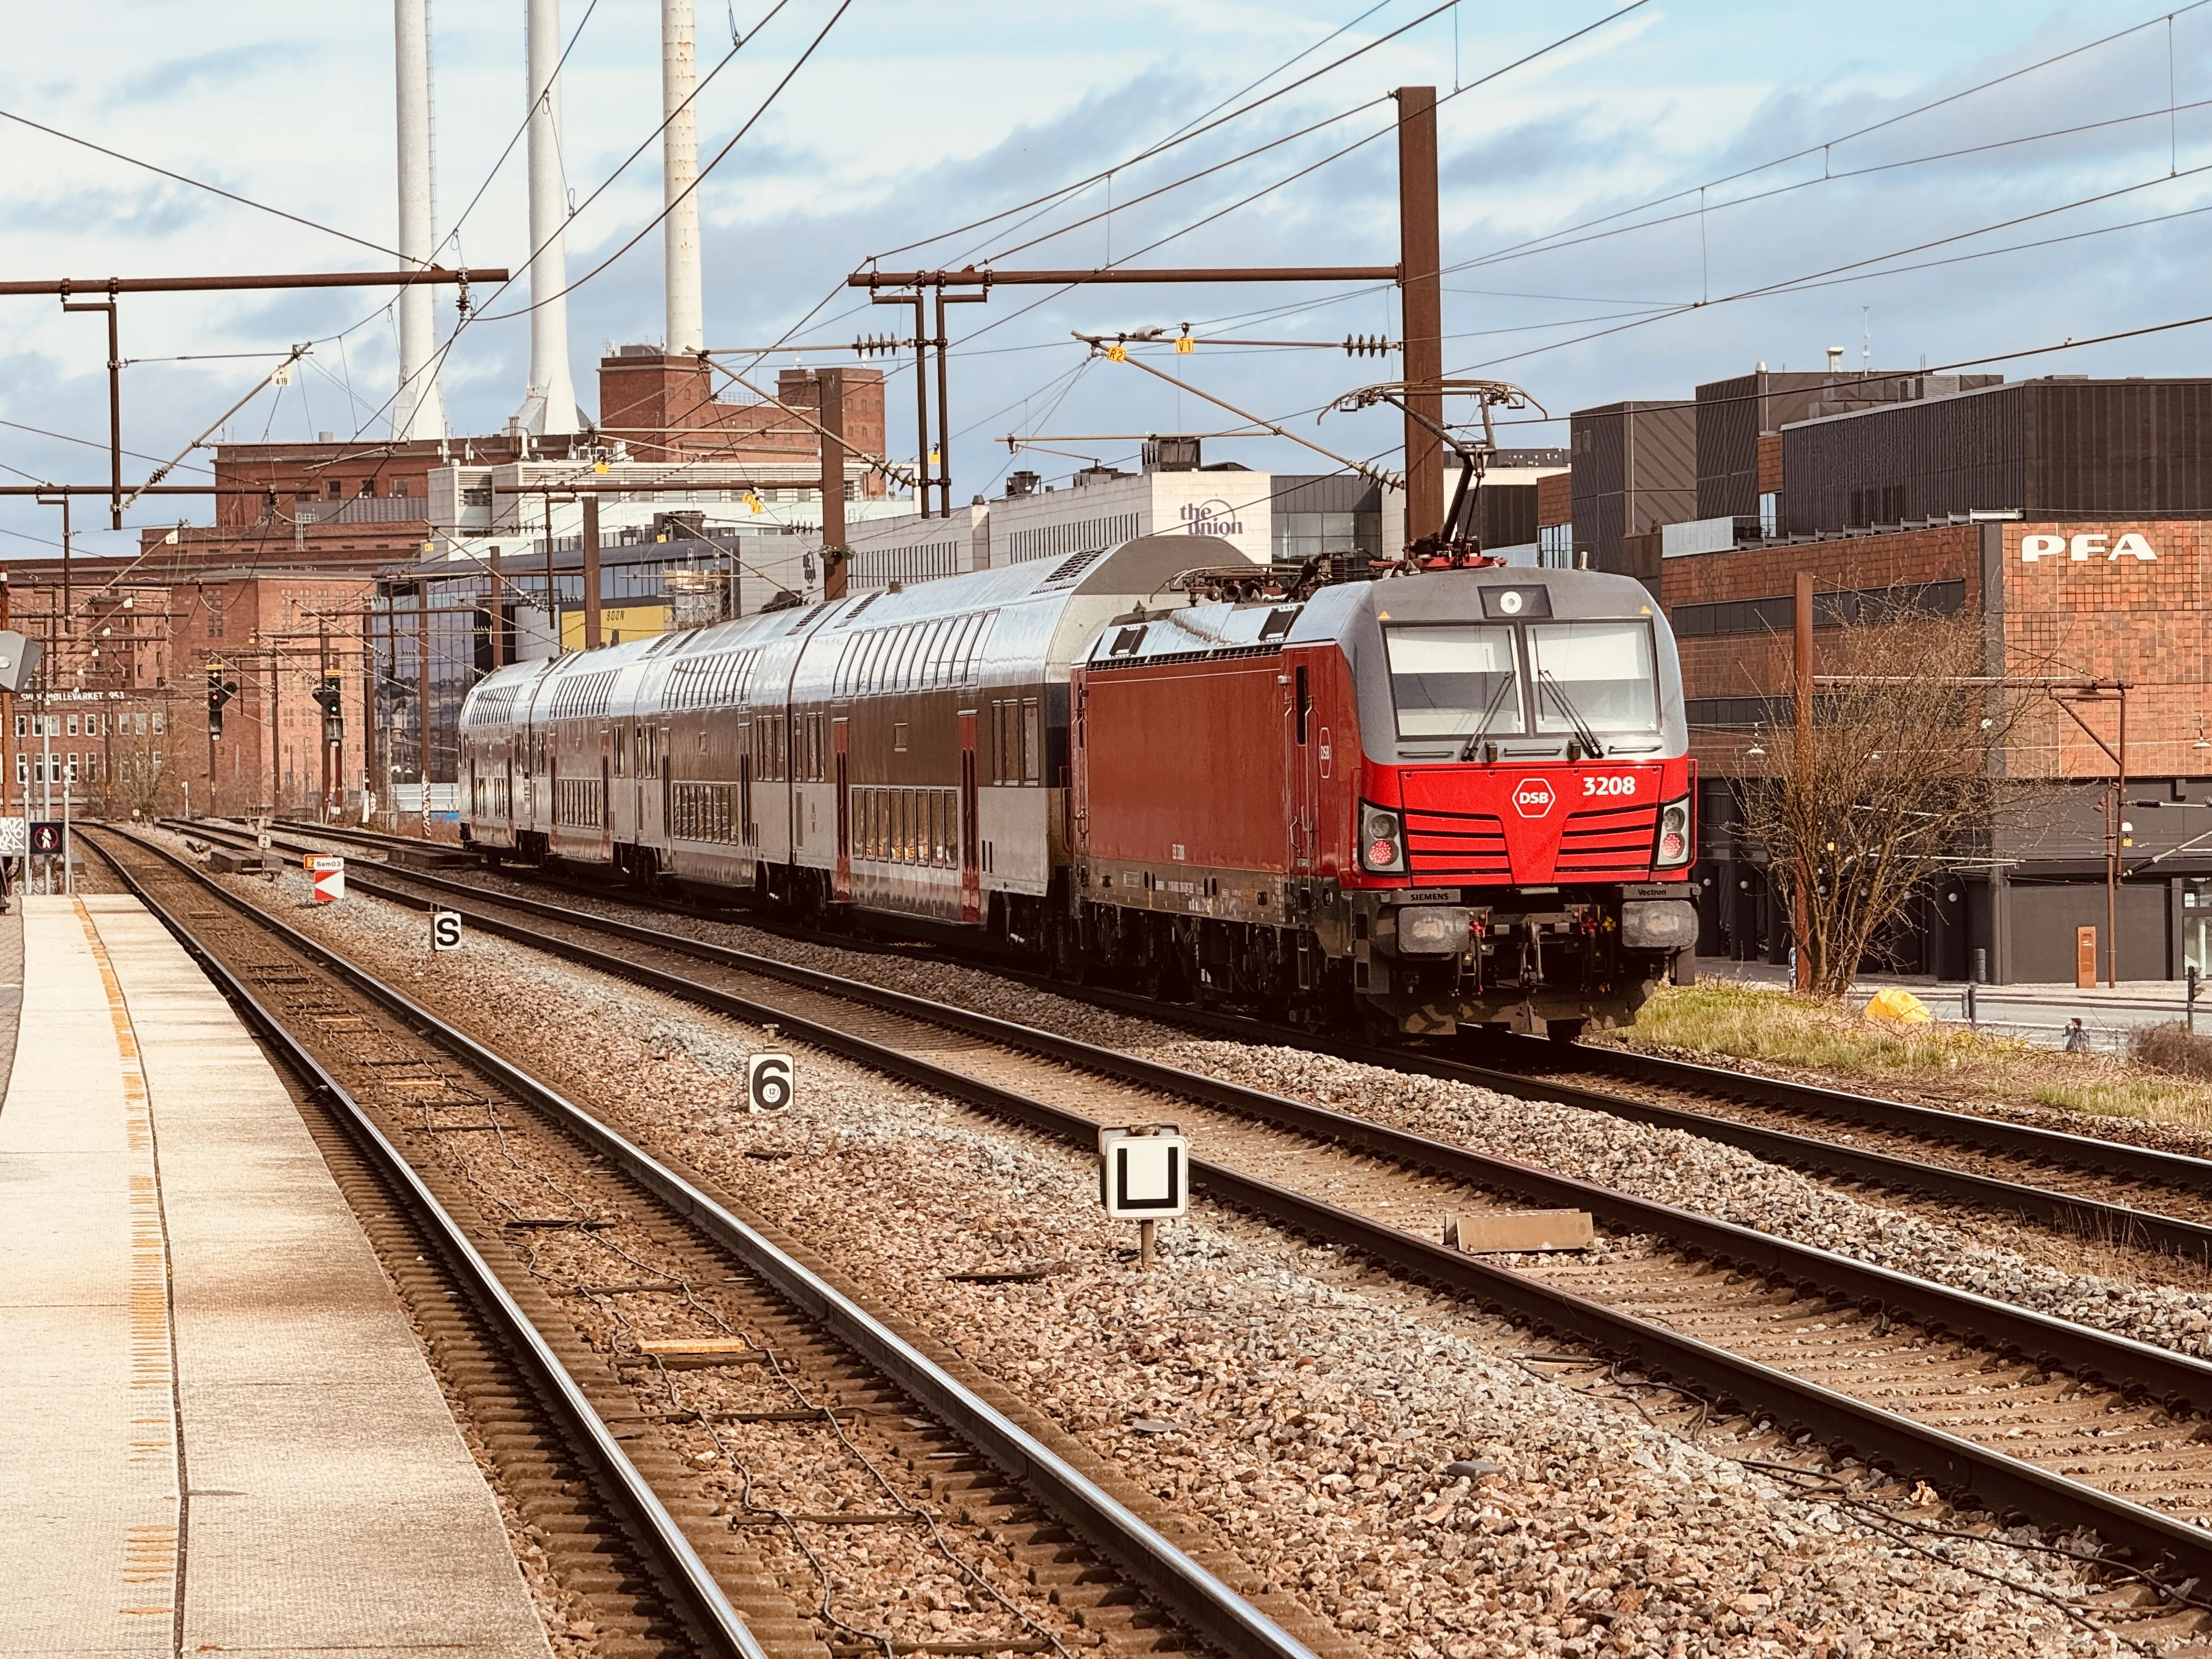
(1453,682)
(1594,675)
(1467,681)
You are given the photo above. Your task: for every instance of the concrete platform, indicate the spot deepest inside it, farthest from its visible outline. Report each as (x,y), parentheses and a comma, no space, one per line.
(217,1431)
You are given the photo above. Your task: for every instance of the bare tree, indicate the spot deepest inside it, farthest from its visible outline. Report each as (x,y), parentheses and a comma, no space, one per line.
(1900,780)
(142,774)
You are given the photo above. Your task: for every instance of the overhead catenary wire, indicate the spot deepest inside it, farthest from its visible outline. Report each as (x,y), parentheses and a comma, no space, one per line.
(1172,142)
(1767,289)
(653,223)
(1763,196)
(446,348)
(1538,244)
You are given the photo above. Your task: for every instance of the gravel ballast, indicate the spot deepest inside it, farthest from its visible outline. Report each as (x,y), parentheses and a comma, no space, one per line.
(1373,1449)
(1670,1166)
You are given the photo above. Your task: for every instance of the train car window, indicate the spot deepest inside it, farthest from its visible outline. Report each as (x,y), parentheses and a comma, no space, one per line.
(1454,681)
(1303,694)
(1597,674)
(619,748)
(1032,742)
(1005,767)
(898,736)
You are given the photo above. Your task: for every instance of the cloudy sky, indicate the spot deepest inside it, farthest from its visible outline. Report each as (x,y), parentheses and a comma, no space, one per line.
(1673,196)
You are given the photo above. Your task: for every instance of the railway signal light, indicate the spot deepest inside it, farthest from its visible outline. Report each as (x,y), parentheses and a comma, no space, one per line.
(219,692)
(330,696)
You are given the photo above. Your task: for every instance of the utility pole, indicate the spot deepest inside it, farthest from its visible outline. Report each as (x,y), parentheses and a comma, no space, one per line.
(322,685)
(7,734)
(831,383)
(498,613)
(372,778)
(1802,981)
(275,738)
(2115,802)
(422,690)
(114,400)
(591,567)
(552,591)
(1420,289)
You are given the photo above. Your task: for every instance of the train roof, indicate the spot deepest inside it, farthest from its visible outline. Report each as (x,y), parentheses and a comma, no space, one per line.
(1138,570)
(1235,628)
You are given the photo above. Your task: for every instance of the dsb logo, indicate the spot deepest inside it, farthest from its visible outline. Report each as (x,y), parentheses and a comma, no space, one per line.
(1533,798)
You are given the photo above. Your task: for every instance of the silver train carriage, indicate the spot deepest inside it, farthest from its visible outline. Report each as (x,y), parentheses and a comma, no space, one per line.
(901,751)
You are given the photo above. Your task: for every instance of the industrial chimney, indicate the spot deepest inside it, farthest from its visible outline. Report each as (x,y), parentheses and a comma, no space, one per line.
(418,411)
(550,405)
(679,157)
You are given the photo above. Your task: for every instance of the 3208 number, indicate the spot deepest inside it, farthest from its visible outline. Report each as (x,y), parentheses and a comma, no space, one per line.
(1613,785)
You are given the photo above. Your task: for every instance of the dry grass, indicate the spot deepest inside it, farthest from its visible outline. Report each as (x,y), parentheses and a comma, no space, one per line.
(2172,1048)
(1758,1022)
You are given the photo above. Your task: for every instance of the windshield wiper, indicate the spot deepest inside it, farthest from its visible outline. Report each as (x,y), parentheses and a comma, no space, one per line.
(1497,700)
(1547,681)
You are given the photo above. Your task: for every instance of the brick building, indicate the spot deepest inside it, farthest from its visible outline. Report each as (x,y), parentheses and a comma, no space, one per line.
(363,504)
(663,408)
(124,687)
(2127,599)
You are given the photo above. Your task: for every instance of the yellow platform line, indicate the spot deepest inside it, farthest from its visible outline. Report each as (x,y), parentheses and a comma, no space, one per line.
(150,1550)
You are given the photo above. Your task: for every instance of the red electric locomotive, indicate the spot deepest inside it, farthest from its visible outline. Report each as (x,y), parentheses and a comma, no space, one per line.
(1450,799)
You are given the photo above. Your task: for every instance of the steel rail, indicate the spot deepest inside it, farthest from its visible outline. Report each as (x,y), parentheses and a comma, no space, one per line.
(2097,1218)
(1951,1463)
(2113,1157)
(1184,1588)
(724,1628)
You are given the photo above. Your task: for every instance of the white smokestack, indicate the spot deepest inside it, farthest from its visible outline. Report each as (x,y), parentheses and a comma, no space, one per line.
(679,153)
(418,411)
(550,405)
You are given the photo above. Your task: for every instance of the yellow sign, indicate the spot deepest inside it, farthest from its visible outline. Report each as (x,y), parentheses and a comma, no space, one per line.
(618,622)
(1117,353)
(1185,345)
(752,501)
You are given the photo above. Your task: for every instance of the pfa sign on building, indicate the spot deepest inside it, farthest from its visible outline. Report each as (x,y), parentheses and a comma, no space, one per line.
(1143,1178)
(445,930)
(767,1083)
(328,872)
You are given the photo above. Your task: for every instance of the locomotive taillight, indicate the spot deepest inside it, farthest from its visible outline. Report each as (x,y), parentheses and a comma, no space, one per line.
(1381,841)
(1673,847)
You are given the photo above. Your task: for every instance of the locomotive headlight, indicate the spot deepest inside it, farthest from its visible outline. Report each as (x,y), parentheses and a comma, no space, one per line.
(1381,841)
(1673,846)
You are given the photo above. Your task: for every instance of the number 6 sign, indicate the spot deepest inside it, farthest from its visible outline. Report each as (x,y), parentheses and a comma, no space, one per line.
(767,1082)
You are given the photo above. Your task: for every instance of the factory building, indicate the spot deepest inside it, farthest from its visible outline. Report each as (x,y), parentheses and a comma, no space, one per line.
(2069,517)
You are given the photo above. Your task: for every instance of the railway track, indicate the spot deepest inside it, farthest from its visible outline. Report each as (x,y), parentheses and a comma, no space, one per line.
(2007,1409)
(795,1475)
(2114,1192)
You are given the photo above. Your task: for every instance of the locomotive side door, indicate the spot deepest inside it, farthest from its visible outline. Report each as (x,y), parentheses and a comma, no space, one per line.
(840,729)
(971,842)
(1301,771)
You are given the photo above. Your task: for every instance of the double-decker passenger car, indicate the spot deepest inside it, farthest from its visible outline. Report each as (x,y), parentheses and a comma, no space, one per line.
(1443,799)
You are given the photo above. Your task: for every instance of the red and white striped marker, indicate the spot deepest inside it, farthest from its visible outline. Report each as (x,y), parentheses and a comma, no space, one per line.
(329,873)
